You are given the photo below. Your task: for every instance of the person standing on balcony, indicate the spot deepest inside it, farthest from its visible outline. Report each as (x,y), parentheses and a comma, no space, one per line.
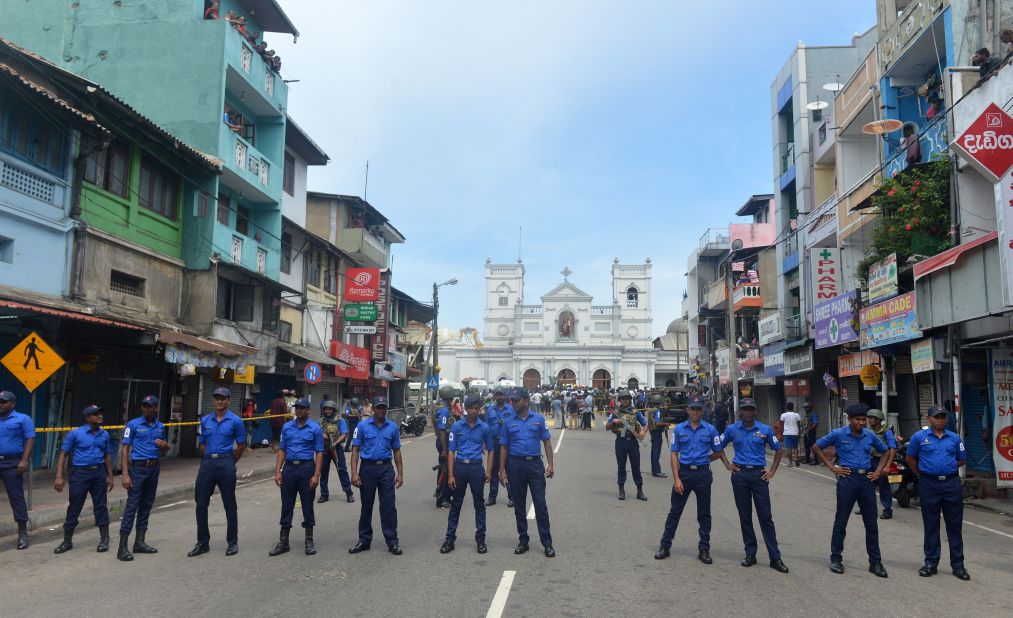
(212,11)
(911,145)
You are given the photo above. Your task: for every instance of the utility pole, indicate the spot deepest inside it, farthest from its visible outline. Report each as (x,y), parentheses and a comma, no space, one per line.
(733,356)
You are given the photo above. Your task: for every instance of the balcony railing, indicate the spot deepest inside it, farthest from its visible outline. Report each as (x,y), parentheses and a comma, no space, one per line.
(252,67)
(531,309)
(787,156)
(794,327)
(746,296)
(714,238)
(602,309)
(717,294)
(933,141)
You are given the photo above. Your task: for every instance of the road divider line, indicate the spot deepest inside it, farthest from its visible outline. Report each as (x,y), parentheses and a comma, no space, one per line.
(560,441)
(501,596)
(1000,533)
(170,505)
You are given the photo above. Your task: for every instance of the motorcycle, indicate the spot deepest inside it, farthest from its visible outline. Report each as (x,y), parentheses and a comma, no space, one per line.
(902,479)
(413,423)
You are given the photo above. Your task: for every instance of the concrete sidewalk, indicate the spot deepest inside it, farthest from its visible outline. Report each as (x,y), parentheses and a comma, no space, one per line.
(175,481)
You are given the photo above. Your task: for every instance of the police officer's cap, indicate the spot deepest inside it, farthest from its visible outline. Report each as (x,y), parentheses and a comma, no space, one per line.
(937,411)
(302,403)
(150,400)
(380,401)
(876,413)
(7,396)
(328,404)
(519,393)
(472,401)
(92,409)
(747,402)
(857,409)
(499,391)
(221,391)
(695,402)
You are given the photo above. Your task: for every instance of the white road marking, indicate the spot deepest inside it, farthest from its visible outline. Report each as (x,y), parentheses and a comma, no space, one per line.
(531,511)
(971,523)
(502,593)
(166,506)
(560,441)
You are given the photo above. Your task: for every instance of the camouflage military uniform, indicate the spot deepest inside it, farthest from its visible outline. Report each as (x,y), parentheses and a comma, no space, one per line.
(333,426)
(627,444)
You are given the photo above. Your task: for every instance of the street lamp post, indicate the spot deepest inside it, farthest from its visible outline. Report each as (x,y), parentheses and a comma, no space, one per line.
(436,326)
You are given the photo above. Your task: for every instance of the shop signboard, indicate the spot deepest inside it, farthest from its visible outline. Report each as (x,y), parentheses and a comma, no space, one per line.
(357,360)
(773,360)
(883,278)
(770,329)
(921,356)
(890,321)
(798,360)
(362,284)
(833,321)
(851,364)
(825,270)
(1000,389)
(724,367)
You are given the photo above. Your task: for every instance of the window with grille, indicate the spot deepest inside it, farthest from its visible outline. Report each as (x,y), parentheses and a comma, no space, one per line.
(243,220)
(108,168)
(223,209)
(202,204)
(632,297)
(503,300)
(237,249)
(285,331)
(29,135)
(288,176)
(312,269)
(159,190)
(286,253)
(126,284)
(261,261)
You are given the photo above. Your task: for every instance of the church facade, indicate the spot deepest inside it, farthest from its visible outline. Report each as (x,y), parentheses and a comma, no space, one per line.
(566,338)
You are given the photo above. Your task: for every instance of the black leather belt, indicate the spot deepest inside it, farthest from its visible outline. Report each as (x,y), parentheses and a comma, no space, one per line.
(296,462)
(219,455)
(86,467)
(694,467)
(377,462)
(861,471)
(526,457)
(750,467)
(146,463)
(943,477)
(468,461)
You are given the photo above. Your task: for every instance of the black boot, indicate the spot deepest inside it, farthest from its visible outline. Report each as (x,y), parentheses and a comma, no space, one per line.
(103,541)
(123,553)
(640,494)
(282,545)
(311,548)
(140,547)
(22,535)
(67,544)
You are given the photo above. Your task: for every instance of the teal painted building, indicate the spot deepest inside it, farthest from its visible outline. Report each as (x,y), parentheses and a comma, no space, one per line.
(186,72)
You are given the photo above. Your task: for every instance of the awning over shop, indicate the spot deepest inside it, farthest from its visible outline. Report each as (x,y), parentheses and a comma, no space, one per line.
(185,349)
(64,313)
(950,256)
(960,284)
(309,354)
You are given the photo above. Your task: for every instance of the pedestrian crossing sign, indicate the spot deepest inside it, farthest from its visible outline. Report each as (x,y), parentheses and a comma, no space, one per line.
(32,361)
(433,382)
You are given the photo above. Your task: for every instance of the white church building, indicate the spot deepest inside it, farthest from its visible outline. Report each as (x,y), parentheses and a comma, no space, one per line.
(564,339)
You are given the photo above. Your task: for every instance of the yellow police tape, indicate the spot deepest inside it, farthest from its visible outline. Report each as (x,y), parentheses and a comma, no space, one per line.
(180,424)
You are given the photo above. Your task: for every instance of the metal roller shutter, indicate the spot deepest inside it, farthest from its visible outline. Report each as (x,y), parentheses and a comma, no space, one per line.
(191,412)
(852,387)
(902,363)
(819,398)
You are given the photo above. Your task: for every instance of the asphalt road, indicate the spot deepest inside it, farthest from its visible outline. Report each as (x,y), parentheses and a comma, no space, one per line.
(604,566)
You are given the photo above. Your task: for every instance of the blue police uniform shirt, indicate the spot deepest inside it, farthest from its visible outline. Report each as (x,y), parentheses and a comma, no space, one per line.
(750,444)
(814,418)
(657,415)
(376,442)
(14,430)
(640,417)
(443,418)
(937,456)
(89,448)
(695,445)
(141,436)
(523,437)
(495,415)
(220,437)
(342,426)
(301,443)
(468,441)
(851,451)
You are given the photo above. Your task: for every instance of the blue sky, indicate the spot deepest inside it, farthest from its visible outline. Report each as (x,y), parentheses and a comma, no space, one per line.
(605,129)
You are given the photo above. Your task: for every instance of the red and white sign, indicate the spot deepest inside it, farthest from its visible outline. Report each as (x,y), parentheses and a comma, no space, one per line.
(825,267)
(1000,387)
(362,284)
(382,312)
(356,357)
(988,143)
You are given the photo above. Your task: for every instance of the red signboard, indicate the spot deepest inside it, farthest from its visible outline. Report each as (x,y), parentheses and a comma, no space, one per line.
(382,310)
(362,284)
(988,143)
(357,358)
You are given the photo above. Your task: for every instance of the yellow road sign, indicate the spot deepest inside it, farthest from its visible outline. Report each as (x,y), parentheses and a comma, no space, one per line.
(32,361)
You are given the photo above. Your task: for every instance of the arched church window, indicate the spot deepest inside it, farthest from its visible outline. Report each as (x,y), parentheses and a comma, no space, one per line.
(632,297)
(566,326)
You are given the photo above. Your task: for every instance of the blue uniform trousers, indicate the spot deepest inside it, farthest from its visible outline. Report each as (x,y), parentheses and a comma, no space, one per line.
(496,463)
(628,449)
(749,488)
(657,440)
(295,481)
(140,497)
(698,482)
(525,474)
(885,493)
(14,486)
(339,463)
(851,489)
(86,480)
(221,473)
(471,475)
(377,478)
(946,497)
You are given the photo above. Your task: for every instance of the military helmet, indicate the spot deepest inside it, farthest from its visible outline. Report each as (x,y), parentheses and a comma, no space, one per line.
(876,413)
(355,401)
(658,399)
(623,393)
(448,392)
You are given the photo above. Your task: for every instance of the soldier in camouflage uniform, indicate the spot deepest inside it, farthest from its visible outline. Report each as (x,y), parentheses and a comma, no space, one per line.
(627,442)
(335,435)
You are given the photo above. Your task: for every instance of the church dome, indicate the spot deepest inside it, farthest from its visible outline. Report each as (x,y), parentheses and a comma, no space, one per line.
(676,326)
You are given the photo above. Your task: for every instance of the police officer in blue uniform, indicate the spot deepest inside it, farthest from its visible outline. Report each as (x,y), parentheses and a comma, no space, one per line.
(750,480)
(498,412)
(470,440)
(221,439)
(936,454)
(442,429)
(297,473)
(519,439)
(627,443)
(375,443)
(142,445)
(336,434)
(92,473)
(17,439)
(695,443)
(856,482)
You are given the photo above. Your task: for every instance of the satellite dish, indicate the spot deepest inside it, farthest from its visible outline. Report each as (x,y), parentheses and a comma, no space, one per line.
(817,105)
(834,87)
(881,127)
(736,244)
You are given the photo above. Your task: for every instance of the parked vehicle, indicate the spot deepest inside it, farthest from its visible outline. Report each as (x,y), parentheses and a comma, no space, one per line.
(413,423)
(903,480)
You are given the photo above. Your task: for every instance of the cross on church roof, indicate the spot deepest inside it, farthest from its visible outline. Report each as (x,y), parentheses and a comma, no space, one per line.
(566,272)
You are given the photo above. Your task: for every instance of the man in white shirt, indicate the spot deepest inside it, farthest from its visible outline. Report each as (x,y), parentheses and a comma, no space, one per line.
(790,422)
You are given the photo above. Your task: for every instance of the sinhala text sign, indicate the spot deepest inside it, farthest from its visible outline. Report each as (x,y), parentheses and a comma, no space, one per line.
(890,321)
